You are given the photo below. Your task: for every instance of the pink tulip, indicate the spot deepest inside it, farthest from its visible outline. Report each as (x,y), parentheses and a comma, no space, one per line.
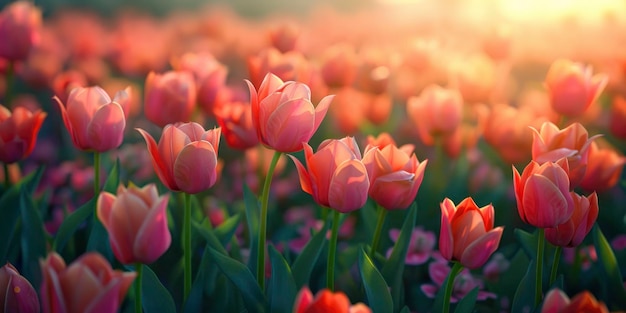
(464,283)
(542,194)
(235,120)
(88,285)
(19,29)
(94,121)
(573,231)
(136,220)
(436,112)
(572,87)
(339,66)
(283,114)
(467,233)
(170,97)
(395,175)
(16,293)
(186,157)
(604,168)
(334,175)
(18,132)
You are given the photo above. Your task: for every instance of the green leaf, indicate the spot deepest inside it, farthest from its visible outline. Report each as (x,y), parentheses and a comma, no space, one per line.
(610,268)
(393,268)
(33,241)
(209,235)
(524,298)
(227,229)
(113,180)
(378,296)
(305,262)
(528,242)
(155,296)
(99,239)
(241,276)
(466,305)
(282,287)
(71,223)
(202,279)
(405,309)
(252,218)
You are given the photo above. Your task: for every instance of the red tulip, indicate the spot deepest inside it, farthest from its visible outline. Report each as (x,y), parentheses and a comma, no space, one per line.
(18,132)
(604,168)
(16,293)
(436,112)
(558,302)
(326,301)
(467,233)
(169,97)
(19,29)
(235,120)
(573,231)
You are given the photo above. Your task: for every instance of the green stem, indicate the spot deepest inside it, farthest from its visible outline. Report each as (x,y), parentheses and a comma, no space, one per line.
(260,264)
(456,269)
(139,270)
(382,213)
(96,173)
(187,244)
(539,270)
(555,264)
(7,176)
(332,251)
(8,96)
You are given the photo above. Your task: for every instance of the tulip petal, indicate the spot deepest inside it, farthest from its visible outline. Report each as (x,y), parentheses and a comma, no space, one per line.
(106,299)
(554,301)
(320,111)
(104,206)
(123,98)
(303,300)
(348,187)
(438,272)
(51,292)
(305,179)
(544,204)
(20,296)
(106,129)
(195,168)
(446,240)
(479,251)
(161,168)
(289,125)
(394,190)
(153,237)
(127,216)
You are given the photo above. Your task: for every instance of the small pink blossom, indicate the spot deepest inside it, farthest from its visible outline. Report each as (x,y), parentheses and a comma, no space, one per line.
(420,246)
(463,283)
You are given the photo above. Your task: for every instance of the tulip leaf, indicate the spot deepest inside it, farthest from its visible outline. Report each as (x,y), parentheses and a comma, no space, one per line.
(33,239)
(525,293)
(156,297)
(376,289)
(252,218)
(528,242)
(466,305)
(71,223)
(227,229)
(241,276)
(99,239)
(204,278)
(113,180)
(282,287)
(610,269)
(303,266)
(405,309)
(393,269)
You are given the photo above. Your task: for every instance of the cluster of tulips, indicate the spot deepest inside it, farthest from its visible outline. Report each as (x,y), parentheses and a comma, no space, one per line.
(228,229)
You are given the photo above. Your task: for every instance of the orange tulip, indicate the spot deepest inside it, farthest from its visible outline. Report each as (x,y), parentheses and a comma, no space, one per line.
(88,285)
(558,302)
(334,175)
(235,119)
(186,157)
(19,29)
(573,231)
(339,66)
(436,112)
(283,114)
(326,301)
(18,133)
(16,293)
(467,233)
(604,168)
(169,97)
(94,121)
(136,220)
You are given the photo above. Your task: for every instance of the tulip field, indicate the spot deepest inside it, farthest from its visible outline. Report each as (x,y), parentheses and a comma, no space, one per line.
(386,156)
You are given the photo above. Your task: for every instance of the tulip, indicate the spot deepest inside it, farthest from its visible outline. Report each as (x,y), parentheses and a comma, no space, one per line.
(339,66)
(326,301)
(572,87)
(467,233)
(604,168)
(289,66)
(558,302)
(572,143)
(170,97)
(16,293)
(436,112)
(87,285)
(19,29)
(573,231)
(542,194)
(475,76)
(94,121)
(283,114)
(235,120)
(186,157)
(284,37)
(18,133)
(136,220)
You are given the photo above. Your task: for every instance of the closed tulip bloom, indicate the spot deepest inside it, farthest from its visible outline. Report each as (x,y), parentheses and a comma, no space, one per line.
(573,231)
(542,194)
(94,121)
(18,132)
(334,175)
(283,114)
(20,23)
(16,293)
(436,112)
(572,87)
(136,220)
(395,175)
(235,120)
(467,233)
(556,301)
(170,97)
(572,143)
(604,168)
(88,285)
(186,157)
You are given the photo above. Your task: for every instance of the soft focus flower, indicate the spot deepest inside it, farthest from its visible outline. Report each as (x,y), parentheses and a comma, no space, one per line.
(235,120)
(421,245)
(572,88)
(94,121)
(619,242)
(573,231)
(16,293)
(604,168)
(475,77)
(572,143)
(464,282)
(283,114)
(19,29)
(436,112)
(617,121)
(186,157)
(495,267)
(64,82)
(18,132)
(587,255)
(136,220)
(339,64)
(169,97)
(288,66)
(467,233)
(326,301)
(88,285)
(349,110)
(556,301)
(334,175)
(497,45)
(542,194)
(284,37)
(395,175)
